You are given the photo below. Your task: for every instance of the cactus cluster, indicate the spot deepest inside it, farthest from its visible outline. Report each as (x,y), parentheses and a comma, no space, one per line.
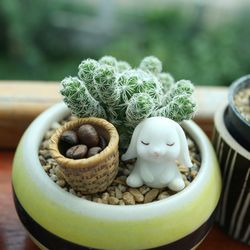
(124,96)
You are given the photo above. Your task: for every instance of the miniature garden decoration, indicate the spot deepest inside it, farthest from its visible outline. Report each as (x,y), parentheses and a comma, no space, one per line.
(126,97)
(158,142)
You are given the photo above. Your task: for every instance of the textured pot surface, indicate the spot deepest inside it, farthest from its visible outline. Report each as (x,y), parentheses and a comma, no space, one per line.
(54,216)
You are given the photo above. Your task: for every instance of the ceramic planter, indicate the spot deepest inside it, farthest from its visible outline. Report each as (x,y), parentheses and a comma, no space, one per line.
(56,219)
(238,127)
(234,159)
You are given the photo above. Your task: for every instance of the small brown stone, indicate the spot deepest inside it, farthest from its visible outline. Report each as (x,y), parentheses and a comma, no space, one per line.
(118,193)
(105,197)
(184,177)
(126,171)
(61,183)
(112,193)
(122,187)
(120,180)
(47,167)
(130,166)
(113,201)
(128,198)
(110,189)
(190,143)
(137,194)
(183,169)
(45,144)
(52,171)
(102,142)
(42,160)
(193,173)
(72,191)
(144,189)
(77,152)
(69,137)
(58,173)
(93,151)
(151,195)
(45,154)
(48,134)
(97,199)
(54,177)
(163,195)
(121,203)
(88,135)
(52,161)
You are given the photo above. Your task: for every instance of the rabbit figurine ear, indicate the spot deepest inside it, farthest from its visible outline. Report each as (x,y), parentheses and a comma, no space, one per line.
(184,157)
(132,148)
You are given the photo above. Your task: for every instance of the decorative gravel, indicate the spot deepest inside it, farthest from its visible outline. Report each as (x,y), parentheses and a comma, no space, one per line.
(242,103)
(118,193)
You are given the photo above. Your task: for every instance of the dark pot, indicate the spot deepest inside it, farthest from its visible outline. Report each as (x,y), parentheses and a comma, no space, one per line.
(233,212)
(238,127)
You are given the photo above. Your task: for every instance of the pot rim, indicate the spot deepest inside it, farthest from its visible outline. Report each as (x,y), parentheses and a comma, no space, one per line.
(234,88)
(219,123)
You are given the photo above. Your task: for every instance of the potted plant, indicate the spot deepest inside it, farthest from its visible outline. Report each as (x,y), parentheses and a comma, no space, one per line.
(232,144)
(112,90)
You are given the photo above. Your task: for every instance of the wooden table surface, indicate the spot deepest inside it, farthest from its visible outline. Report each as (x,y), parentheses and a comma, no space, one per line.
(14,237)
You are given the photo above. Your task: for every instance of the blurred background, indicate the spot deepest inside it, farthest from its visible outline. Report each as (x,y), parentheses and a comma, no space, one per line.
(207,42)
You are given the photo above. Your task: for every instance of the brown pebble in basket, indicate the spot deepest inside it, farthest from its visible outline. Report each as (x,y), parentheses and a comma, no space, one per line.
(93,151)
(102,142)
(77,152)
(69,137)
(88,135)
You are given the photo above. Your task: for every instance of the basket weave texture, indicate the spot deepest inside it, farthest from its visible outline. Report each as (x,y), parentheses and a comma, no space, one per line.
(94,174)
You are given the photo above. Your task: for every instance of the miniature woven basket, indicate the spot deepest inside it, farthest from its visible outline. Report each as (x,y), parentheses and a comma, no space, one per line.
(94,174)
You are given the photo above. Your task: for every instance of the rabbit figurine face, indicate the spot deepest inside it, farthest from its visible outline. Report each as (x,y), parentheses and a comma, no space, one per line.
(157,143)
(157,146)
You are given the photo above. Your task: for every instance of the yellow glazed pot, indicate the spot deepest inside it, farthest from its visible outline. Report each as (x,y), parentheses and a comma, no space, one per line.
(56,219)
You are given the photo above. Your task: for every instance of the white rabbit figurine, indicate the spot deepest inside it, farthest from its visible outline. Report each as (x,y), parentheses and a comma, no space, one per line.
(158,142)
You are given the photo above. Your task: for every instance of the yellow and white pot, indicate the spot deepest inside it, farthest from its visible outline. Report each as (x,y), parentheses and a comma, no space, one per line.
(56,219)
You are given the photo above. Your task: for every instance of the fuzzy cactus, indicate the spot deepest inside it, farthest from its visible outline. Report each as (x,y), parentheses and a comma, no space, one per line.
(112,90)
(151,64)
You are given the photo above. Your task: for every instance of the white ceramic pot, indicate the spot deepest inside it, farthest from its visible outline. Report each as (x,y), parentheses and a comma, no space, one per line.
(56,219)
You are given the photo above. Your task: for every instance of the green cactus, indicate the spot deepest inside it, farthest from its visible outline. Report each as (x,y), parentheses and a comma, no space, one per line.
(151,64)
(122,66)
(78,98)
(140,106)
(112,90)
(166,80)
